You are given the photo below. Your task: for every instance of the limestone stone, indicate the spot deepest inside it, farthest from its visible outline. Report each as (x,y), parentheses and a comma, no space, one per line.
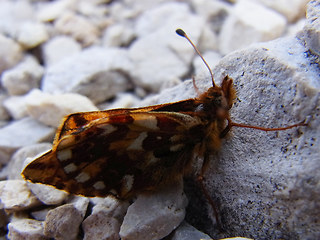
(10,53)
(16,107)
(158,45)
(311,31)
(187,232)
(16,196)
(23,77)
(250,22)
(154,216)
(58,48)
(72,24)
(50,109)
(63,222)
(105,219)
(31,34)
(97,73)
(296,10)
(26,229)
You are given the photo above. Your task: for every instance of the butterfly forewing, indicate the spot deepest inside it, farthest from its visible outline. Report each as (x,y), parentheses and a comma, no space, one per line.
(119,154)
(77,121)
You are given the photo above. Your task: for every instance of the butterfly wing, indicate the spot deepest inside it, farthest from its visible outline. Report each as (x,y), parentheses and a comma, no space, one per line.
(119,154)
(73,122)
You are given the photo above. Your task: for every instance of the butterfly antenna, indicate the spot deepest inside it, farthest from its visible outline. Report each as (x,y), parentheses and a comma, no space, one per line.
(181,33)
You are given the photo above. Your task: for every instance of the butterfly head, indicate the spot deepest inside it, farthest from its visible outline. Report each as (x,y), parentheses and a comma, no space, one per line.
(219,100)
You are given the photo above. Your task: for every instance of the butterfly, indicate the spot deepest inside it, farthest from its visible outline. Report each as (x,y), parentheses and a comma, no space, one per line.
(123,152)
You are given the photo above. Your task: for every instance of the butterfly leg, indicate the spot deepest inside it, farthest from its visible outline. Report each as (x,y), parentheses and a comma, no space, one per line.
(226,129)
(195,86)
(200,180)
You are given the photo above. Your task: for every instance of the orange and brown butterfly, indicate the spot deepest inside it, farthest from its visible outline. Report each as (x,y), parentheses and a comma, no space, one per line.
(122,152)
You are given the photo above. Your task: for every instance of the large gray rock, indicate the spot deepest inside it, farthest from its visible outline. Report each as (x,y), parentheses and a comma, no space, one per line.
(266,184)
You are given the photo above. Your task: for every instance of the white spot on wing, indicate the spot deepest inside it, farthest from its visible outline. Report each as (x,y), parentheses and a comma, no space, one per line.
(66,142)
(82,177)
(176,138)
(151,158)
(70,168)
(99,185)
(149,122)
(108,128)
(64,154)
(177,147)
(137,143)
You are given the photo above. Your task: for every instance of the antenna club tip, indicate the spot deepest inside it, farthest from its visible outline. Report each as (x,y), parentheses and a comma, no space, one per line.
(180,32)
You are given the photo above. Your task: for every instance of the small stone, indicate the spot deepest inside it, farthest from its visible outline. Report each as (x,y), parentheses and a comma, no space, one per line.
(117,35)
(144,71)
(215,13)
(16,107)
(292,13)
(105,219)
(123,100)
(63,222)
(187,232)
(50,11)
(80,203)
(26,229)
(10,53)
(93,9)
(311,31)
(97,73)
(23,77)
(250,22)
(20,133)
(208,41)
(158,45)
(58,48)
(32,34)
(4,115)
(47,194)
(13,14)
(71,24)
(154,216)
(50,109)
(16,196)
